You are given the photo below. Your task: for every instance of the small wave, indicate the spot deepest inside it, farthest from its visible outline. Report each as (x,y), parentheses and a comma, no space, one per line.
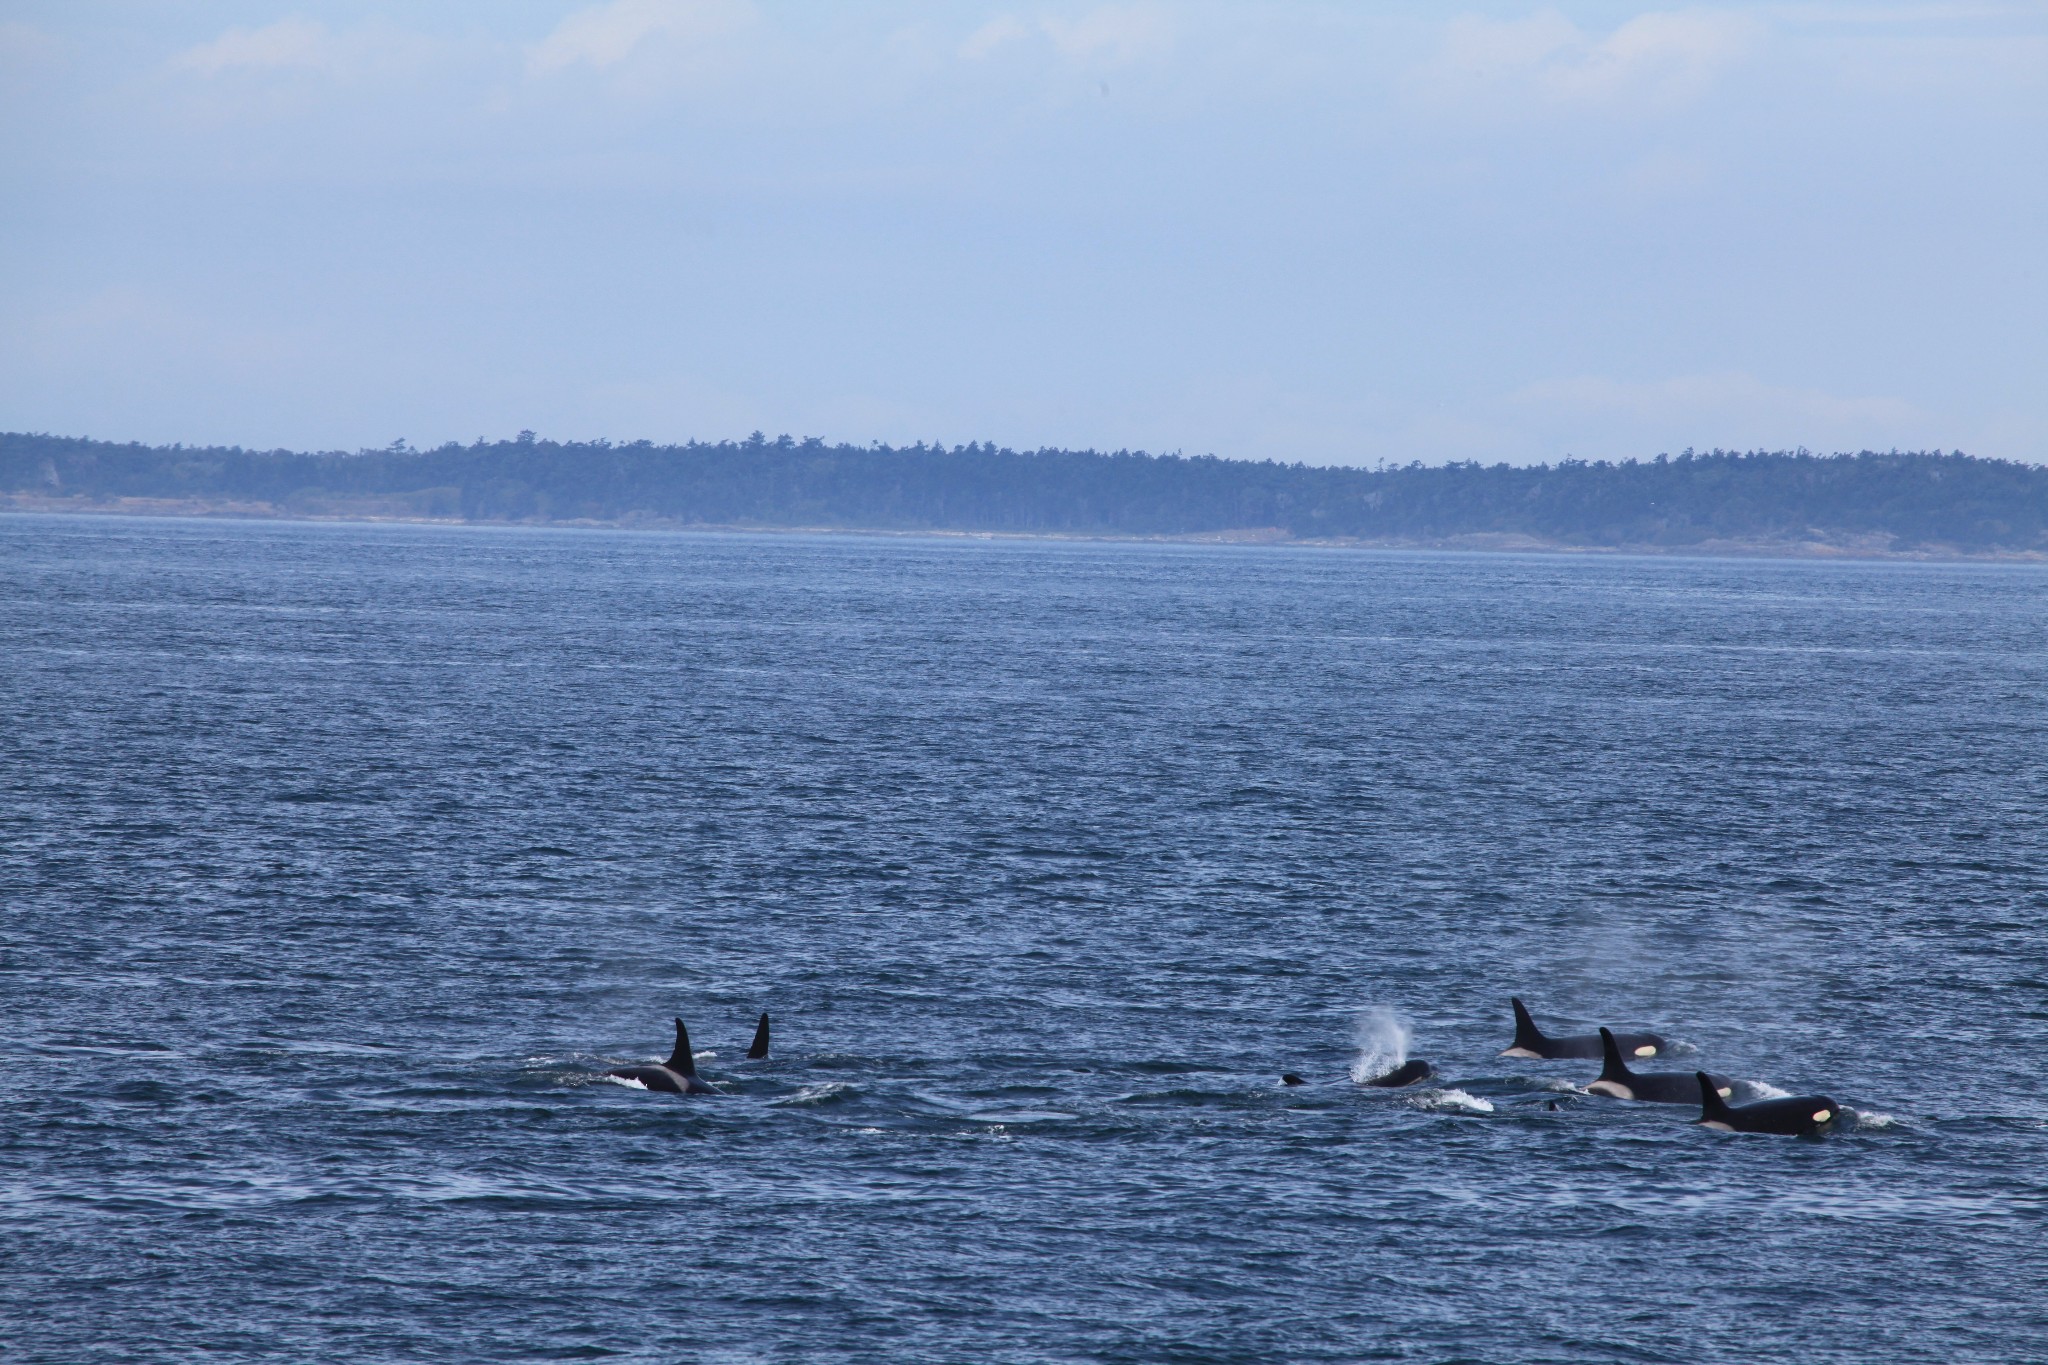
(1452,1102)
(1184,1096)
(1764,1090)
(1382,1039)
(832,1092)
(310,796)
(1869,1118)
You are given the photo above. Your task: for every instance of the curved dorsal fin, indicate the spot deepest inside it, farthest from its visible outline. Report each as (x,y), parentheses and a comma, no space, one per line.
(760,1047)
(1613,1068)
(1712,1106)
(681,1061)
(1526,1033)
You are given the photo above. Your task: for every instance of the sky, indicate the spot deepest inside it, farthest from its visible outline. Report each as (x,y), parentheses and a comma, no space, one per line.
(1332,233)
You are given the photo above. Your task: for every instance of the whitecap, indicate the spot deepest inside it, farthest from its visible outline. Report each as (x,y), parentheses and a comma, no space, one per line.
(1452,1102)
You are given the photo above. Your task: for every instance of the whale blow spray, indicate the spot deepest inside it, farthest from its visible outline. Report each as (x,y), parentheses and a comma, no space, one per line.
(1381,1037)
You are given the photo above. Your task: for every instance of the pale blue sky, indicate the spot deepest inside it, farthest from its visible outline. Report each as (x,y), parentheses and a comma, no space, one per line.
(1335,233)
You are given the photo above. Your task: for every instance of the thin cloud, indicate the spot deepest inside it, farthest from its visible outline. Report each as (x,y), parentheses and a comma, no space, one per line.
(1112,35)
(997,32)
(302,44)
(25,44)
(603,36)
(286,43)
(1658,60)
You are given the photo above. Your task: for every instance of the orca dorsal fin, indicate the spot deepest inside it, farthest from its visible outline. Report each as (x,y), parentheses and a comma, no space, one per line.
(682,1061)
(1527,1035)
(1613,1068)
(760,1047)
(1712,1106)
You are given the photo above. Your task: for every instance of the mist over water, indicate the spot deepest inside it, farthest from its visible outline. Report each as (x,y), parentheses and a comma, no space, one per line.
(339,863)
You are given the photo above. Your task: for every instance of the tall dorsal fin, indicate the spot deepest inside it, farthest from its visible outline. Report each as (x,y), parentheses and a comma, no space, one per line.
(1614,1068)
(760,1047)
(1526,1033)
(1712,1106)
(681,1061)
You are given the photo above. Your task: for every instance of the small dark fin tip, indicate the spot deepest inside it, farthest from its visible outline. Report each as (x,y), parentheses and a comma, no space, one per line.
(1291,1079)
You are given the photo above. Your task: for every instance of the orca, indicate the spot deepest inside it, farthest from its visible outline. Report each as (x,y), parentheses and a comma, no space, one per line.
(1800,1116)
(677,1075)
(1530,1042)
(760,1048)
(1291,1079)
(1651,1087)
(1408,1073)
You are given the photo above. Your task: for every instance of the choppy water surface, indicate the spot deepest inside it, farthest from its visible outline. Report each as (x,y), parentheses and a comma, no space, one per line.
(338,863)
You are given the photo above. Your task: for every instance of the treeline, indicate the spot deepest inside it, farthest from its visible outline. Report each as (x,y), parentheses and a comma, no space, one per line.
(1898,501)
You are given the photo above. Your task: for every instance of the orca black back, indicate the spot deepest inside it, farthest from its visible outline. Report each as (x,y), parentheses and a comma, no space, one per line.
(1530,1041)
(1408,1073)
(1651,1087)
(1799,1116)
(676,1076)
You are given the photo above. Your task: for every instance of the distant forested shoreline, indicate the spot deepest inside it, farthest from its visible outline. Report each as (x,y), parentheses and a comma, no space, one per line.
(1923,503)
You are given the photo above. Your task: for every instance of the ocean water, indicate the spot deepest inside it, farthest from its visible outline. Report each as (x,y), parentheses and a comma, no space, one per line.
(337,864)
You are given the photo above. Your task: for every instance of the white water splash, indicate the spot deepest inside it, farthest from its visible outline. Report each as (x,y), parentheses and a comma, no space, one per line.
(1453,1101)
(626,1081)
(1763,1090)
(1381,1037)
(1868,1118)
